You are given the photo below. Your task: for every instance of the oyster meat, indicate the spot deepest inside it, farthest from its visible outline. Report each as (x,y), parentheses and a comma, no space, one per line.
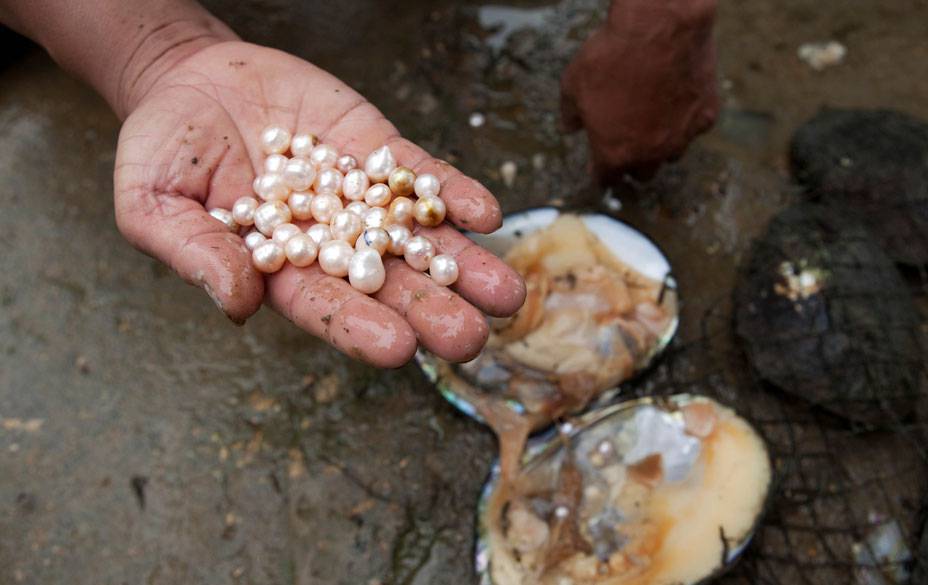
(647,493)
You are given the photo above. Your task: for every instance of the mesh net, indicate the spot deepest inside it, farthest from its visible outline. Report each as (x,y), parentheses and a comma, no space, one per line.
(848,504)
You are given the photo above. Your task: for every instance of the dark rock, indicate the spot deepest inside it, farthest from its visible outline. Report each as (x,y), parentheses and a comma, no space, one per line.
(824,315)
(875,163)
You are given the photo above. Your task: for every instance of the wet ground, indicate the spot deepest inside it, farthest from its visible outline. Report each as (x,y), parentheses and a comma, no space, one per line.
(145,439)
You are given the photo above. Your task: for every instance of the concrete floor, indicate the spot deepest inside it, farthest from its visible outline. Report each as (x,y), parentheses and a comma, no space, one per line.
(145,439)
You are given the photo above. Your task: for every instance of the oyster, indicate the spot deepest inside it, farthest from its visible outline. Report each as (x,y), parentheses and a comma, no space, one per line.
(824,315)
(600,305)
(647,492)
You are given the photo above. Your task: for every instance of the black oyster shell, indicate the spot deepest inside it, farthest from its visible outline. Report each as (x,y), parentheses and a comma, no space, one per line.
(874,162)
(849,339)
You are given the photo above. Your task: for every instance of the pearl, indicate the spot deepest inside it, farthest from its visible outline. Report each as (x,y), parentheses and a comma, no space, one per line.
(355,184)
(271,187)
(275,163)
(243,210)
(401,212)
(301,250)
(359,208)
(284,232)
(269,257)
(375,217)
(427,186)
(346,226)
(328,181)
(334,257)
(378,195)
(301,205)
(399,236)
(443,269)
(299,174)
(270,215)
(402,181)
(302,144)
(366,272)
(419,253)
(374,238)
(320,233)
(380,164)
(324,156)
(324,206)
(225,216)
(429,211)
(254,239)
(275,140)
(346,163)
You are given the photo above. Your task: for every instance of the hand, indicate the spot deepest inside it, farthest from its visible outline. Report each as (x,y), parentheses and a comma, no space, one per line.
(644,84)
(191,144)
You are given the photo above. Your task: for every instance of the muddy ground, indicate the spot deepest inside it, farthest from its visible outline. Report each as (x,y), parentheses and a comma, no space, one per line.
(145,439)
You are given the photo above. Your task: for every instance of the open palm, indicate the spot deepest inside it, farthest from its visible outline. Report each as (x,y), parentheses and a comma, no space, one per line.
(192,145)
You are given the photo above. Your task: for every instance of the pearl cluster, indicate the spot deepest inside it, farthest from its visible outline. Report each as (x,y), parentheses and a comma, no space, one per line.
(357,213)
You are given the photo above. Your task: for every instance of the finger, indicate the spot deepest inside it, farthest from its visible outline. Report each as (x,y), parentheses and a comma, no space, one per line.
(332,310)
(446,324)
(484,280)
(470,205)
(179,232)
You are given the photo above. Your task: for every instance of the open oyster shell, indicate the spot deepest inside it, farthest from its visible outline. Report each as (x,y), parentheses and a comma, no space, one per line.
(601,305)
(646,492)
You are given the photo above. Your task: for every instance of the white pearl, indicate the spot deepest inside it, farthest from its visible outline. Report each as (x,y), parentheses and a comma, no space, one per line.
(355,184)
(320,233)
(299,174)
(225,216)
(243,211)
(284,232)
(375,217)
(378,195)
(399,236)
(270,215)
(358,208)
(427,186)
(254,239)
(328,181)
(419,253)
(380,164)
(401,212)
(301,205)
(324,206)
(275,163)
(324,156)
(374,238)
(346,163)
(269,257)
(443,269)
(301,250)
(366,272)
(334,257)
(346,225)
(429,211)
(302,145)
(275,140)
(271,187)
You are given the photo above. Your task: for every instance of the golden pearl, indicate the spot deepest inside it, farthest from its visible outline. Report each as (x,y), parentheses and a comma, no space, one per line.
(402,181)
(429,211)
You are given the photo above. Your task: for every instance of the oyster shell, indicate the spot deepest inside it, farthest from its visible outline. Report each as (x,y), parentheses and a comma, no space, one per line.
(600,305)
(647,492)
(824,315)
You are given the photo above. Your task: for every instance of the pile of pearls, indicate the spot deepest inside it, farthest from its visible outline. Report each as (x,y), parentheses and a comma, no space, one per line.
(358,214)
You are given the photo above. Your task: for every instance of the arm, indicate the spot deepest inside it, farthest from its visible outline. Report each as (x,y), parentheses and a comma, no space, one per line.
(644,84)
(194,99)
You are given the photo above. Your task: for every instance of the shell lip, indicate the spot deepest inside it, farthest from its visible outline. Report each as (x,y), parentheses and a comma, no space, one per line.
(432,366)
(544,444)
